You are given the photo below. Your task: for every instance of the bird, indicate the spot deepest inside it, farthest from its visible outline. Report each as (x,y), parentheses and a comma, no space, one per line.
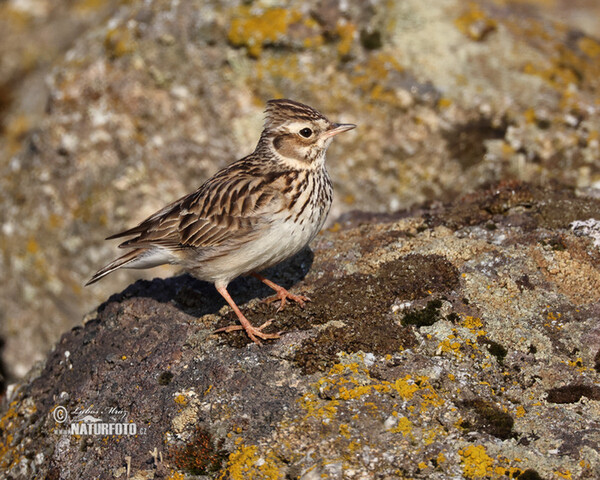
(249,216)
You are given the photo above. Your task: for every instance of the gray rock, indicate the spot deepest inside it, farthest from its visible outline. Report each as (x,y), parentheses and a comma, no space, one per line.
(456,341)
(114,109)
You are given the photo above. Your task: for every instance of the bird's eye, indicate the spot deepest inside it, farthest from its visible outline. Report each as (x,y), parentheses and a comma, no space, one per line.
(306,132)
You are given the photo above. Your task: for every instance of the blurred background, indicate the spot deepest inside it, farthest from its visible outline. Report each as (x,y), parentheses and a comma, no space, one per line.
(109,109)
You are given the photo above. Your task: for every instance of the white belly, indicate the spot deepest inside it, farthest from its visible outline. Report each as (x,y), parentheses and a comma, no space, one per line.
(282,240)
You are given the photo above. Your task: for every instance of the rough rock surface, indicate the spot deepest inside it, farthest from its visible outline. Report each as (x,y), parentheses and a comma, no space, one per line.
(451,341)
(152,97)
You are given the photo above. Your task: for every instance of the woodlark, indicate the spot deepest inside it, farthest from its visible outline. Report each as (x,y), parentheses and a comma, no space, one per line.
(249,216)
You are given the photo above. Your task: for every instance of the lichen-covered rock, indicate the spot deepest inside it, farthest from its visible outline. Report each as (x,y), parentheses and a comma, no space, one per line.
(456,341)
(155,96)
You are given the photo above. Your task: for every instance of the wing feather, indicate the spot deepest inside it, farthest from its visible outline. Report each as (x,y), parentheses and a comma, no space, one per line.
(231,205)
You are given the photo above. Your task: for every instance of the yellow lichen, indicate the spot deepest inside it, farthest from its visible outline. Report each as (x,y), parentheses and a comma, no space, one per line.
(336,227)
(246,463)
(475,461)
(32,246)
(474,324)
(405,387)
(448,345)
(119,42)
(253,31)
(520,412)
(315,408)
(15,130)
(347,33)
(404,426)
(474,23)
(181,400)
(563,473)
(371,77)
(176,476)
(589,46)
(85,6)
(10,455)
(444,102)
(530,116)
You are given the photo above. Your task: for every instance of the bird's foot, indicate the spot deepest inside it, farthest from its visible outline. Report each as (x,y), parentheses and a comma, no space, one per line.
(251,331)
(283,296)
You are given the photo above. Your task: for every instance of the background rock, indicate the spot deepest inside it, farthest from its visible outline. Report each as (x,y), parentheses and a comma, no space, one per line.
(449,342)
(144,100)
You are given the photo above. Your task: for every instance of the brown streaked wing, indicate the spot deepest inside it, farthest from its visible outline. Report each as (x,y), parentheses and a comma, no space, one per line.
(221,210)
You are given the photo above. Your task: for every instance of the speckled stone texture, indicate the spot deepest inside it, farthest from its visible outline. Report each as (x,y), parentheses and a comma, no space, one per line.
(450,341)
(112,109)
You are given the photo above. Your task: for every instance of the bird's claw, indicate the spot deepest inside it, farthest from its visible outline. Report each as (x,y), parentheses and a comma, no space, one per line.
(252,332)
(283,295)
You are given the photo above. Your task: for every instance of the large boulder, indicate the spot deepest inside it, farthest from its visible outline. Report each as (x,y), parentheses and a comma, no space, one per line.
(454,341)
(144,100)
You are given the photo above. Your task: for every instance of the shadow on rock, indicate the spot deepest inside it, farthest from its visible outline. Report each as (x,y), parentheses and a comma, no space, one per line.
(196,297)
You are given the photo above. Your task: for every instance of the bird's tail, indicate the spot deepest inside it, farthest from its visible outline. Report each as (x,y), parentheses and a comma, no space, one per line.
(129,259)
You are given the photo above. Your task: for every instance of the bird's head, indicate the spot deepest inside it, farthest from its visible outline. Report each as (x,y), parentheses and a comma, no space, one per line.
(298,134)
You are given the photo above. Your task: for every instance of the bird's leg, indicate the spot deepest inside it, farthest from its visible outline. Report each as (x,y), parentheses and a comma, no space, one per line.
(252,332)
(282,293)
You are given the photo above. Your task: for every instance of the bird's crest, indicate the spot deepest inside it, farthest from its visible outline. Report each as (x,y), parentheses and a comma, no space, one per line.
(284,110)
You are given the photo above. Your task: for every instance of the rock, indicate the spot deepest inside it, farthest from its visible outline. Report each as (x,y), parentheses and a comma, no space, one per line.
(143,101)
(450,341)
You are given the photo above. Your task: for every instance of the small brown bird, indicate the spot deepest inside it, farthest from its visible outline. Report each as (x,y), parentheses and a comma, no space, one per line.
(249,216)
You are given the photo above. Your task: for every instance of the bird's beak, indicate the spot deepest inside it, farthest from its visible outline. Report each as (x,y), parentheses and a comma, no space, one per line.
(338,128)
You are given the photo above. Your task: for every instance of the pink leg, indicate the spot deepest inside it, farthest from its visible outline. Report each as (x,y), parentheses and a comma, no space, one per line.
(252,332)
(282,293)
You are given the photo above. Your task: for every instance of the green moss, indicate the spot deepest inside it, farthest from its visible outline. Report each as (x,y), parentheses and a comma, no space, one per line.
(573,393)
(529,474)
(363,304)
(484,416)
(494,348)
(165,378)
(371,40)
(425,317)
